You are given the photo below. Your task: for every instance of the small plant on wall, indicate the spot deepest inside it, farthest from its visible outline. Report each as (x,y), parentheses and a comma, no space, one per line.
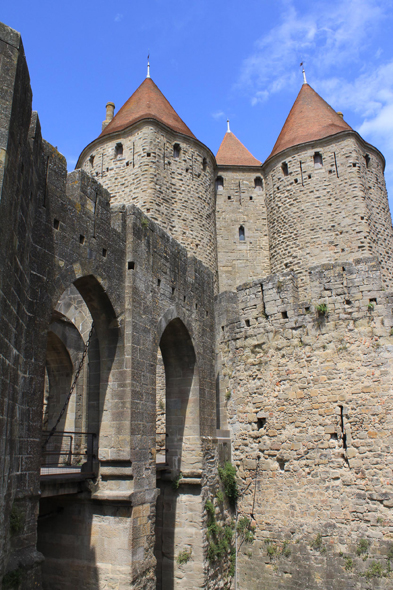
(184,556)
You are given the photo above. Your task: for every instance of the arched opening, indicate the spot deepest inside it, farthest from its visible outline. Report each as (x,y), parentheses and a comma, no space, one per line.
(176,150)
(73,447)
(242,234)
(258,183)
(284,168)
(118,150)
(174,528)
(219,183)
(318,161)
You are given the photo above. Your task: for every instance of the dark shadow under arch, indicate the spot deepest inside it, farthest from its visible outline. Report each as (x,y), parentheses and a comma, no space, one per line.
(182,442)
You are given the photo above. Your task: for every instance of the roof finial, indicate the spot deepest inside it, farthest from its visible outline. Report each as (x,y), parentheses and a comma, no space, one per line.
(304,74)
(148,66)
(228,129)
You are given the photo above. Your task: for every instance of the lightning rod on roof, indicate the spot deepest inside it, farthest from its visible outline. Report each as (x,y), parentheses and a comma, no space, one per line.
(148,66)
(228,130)
(304,73)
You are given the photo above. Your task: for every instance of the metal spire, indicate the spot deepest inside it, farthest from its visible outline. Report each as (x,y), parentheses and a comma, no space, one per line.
(228,129)
(148,66)
(304,74)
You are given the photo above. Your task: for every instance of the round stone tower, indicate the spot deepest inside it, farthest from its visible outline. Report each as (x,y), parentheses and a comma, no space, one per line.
(325,193)
(146,155)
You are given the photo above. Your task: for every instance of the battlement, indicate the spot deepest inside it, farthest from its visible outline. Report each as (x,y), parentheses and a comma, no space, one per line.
(341,291)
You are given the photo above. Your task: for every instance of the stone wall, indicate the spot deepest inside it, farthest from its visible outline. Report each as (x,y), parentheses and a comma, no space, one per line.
(20,395)
(176,192)
(241,204)
(320,214)
(310,412)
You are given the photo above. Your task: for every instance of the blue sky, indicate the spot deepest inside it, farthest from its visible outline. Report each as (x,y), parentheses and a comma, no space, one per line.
(212,59)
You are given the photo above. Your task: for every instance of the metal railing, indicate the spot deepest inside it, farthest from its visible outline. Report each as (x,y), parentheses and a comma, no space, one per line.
(68,453)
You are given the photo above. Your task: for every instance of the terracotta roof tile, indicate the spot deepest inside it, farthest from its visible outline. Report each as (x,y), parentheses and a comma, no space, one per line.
(147,102)
(310,118)
(233,153)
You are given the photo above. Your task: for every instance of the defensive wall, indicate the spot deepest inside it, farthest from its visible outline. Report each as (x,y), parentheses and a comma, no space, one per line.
(306,388)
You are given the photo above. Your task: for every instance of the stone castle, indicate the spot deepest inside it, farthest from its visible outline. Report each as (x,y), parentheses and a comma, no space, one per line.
(166,313)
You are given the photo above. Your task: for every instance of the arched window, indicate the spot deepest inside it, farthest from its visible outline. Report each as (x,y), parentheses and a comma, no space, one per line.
(91,160)
(204,164)
(367,160)
(284,168)
(318,162)
(176,150)
(219,183)
(258,183)
(242,234)
(118,150)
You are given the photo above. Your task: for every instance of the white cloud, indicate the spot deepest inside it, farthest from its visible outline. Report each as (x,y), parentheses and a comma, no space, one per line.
(118,17)
(338,41)
(327,37)
(218,115)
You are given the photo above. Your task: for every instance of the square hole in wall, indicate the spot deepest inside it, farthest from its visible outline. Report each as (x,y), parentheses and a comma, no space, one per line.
(184,298)
(284,315)
(81,239)
(250,198)
(104,252)
(348,302)
(229,198)
(158,282)
(248,323)
(56,223)
(372,300)
(173,290)
(131,265)
(261,422)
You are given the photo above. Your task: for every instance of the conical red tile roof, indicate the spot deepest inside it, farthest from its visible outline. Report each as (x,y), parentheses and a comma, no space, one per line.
(310,118)
(147,102)
(233,153)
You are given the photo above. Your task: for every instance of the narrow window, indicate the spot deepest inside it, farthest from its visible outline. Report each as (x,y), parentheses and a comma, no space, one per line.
(367,160)
(219,183)
(242,234)
(318,162)
(104,252)
(284,168)
(229,198)
(258,183)
(81,239)
(204,164)
(91,160)
(118,150)
(176,150)
(56,223)
(131,265)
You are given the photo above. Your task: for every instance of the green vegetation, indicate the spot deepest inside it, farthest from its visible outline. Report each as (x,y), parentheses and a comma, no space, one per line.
(144,222)
(375,570)
(271,549)
(17,520)
(228,477)
(176,482)
(363,547)
(13,580)
(317,544)
(228,395)
(285,550)
(348,564)
(322,309)
(184,556)
(220,497)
